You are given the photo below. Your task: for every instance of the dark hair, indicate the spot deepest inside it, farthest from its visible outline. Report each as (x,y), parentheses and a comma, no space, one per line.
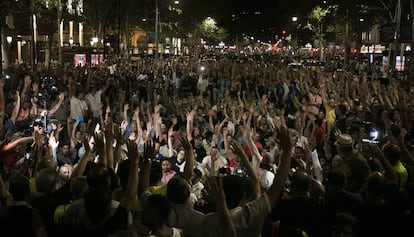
(300,182)
(178,190)
(344,221)
(155,173)
(46,180)
(377,185)
(19,187)
(337,179)
(234,189)
(123,172)
(78,187)
(208,134)
(99,176)
(392,153)
(97,204)
(197,172)
(156,210)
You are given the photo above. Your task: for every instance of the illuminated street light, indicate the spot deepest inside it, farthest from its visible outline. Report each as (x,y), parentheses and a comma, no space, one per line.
(294,18)
(9,39)
(95,40)
(176,2)
(71,41)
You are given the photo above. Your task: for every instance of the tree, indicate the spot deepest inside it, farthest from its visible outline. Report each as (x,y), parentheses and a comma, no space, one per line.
(316,21)
(99,13)
(210,32)
(49,15)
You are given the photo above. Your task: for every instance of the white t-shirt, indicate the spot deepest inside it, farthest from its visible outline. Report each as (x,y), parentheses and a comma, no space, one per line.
(219,163)
(77,107)
(94,102)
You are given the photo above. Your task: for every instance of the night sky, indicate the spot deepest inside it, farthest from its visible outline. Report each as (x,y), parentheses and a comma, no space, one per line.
(259,18)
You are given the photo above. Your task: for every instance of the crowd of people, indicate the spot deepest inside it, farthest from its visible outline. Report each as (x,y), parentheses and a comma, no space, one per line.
(190,147)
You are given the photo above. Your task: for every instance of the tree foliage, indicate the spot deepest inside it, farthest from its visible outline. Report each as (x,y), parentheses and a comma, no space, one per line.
(210,32)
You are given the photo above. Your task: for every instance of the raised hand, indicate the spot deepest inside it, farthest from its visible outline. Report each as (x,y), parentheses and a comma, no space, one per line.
(86,144)
(237,148)
(108,109)
(61,97)
(190,115)
(149,150)
(109,131)
(59,127)
(118,135)
(215,190)
(99,141)
(126,107)
(132,150)
(52,141)
(186,144)
(136,113)
(174,120)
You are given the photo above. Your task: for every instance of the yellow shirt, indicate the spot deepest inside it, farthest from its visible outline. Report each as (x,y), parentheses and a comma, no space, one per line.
(330,115)
(402,174)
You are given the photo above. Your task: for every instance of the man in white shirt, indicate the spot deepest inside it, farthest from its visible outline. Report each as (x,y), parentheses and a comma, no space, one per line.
(214,161)
(78,109)
(93,98)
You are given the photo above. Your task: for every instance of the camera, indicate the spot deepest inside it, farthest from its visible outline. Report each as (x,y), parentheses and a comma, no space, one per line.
(240,170)
(47,90)
(224,171)
(48,125)
(28,156)
(372,134)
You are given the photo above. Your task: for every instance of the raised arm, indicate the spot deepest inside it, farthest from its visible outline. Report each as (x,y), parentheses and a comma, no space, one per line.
(389,171)
(189,158)
(16,108)
(216,193)
(18,142)
(119,137)
(80,168)
(189,128)
(133,178)
(100,147)
(250,143)
(277,188)
(147,157)
(109,138)
(126,108)
(57,106)
(138,121)
(238,150)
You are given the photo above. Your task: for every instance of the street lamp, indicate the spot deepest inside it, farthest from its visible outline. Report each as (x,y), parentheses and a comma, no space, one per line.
(295,39)
(9,39)
(71,42)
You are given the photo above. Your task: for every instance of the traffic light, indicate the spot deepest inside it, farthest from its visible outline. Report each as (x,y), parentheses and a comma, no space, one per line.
(283,34)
